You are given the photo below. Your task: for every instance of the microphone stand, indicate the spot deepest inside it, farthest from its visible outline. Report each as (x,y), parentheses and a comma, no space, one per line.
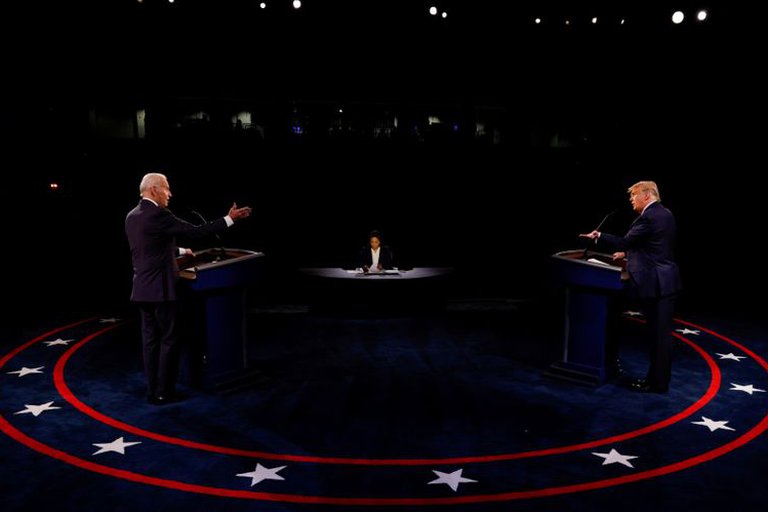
(586,249)
(220,249)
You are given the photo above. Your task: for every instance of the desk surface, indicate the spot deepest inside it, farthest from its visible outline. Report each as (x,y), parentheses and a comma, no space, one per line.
(340,273)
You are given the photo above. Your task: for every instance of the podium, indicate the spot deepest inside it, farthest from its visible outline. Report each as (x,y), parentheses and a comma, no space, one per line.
(215,283)
(591,281)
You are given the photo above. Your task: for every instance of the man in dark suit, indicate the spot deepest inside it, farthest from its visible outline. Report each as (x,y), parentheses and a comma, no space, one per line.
(375,257)
(653,276)
(151,230)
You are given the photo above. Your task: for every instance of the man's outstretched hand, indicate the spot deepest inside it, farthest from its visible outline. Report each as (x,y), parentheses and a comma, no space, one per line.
(236,213)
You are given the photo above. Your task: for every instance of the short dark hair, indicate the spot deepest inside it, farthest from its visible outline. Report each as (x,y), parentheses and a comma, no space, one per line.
(375,233)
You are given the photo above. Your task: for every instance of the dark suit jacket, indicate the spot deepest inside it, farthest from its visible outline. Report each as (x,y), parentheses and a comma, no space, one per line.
(649,245)
(386,258)
(151,232)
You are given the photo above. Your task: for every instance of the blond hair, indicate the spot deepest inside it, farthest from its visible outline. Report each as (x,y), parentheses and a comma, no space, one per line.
(646,186)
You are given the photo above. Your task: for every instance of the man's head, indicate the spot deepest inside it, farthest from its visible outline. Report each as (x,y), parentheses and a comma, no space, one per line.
(642,193)
(155,186)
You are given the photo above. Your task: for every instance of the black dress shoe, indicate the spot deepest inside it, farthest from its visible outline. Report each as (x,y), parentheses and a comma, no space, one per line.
(643,386)
(164,399)
(158,400)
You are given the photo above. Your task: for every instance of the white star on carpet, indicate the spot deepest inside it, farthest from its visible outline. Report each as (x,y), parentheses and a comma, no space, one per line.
(712,425)
(452,480)
(37,410)
(613,457)
(731,355)
(262,473)
(58,341)
(118,445)
(688,331)
(748,388)
(108,320)
(26,371)
(633,313)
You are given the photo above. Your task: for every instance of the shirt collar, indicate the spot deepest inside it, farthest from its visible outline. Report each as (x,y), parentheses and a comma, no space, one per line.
(646,206)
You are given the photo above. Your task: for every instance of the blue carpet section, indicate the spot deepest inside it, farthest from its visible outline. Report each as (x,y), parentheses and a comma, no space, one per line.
(430,411)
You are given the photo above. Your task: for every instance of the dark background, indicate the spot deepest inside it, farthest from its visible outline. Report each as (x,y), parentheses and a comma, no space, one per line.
(572,116)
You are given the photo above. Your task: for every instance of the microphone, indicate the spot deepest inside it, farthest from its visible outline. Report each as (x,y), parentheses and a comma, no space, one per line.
(603,221)
(586,249)
(220,248)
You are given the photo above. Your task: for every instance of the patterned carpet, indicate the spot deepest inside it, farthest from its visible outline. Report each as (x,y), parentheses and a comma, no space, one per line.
(368,412)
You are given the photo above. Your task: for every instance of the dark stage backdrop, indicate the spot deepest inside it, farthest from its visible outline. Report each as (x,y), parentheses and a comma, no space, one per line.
(578,114)
(492,213)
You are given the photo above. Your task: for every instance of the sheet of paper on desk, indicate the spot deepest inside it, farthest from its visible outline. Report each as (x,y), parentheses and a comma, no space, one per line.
(595,260)
(373,272)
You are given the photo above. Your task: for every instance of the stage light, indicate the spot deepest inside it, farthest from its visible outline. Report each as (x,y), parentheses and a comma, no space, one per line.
(444,15)
(594,20)
(678,17)
(263,5)
(701,15)
(297,4)
(433,10)
(537,21)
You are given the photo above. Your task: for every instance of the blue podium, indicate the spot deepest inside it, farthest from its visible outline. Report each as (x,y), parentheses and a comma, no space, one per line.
(591,281)
(215,283)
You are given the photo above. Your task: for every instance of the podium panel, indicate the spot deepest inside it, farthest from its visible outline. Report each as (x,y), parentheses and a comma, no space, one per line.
(591,281)
(216,282)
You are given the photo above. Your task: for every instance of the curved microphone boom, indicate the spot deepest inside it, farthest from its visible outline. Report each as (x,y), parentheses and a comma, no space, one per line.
(604,219)
(586,249)
(220,248)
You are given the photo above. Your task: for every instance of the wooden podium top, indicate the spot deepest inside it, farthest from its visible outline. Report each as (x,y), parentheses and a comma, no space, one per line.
(589,269)
(209,259)
(591,258)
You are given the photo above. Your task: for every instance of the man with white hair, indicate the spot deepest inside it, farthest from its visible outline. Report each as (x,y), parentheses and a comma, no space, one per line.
(151,230)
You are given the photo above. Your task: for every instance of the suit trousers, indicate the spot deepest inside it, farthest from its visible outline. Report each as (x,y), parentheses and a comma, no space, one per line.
(160,346)
(657,335)
(659,312)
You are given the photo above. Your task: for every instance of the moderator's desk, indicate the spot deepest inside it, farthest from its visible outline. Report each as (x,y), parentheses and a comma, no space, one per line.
(415,273)
(337,287)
